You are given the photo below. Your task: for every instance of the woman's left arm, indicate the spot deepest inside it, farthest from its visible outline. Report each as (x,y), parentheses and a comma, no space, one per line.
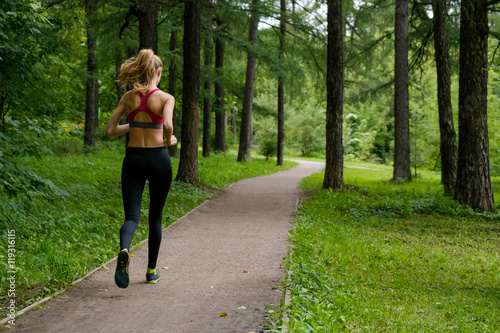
(113,128)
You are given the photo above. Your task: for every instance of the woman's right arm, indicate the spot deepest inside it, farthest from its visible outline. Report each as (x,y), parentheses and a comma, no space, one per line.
(113,128)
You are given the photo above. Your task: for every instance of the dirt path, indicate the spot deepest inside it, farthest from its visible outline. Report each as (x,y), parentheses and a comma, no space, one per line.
(224,257)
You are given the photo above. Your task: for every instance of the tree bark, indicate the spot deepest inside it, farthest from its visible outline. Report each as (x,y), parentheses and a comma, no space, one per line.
(207,100)
(281,89)
(233,122)
(220,113)
(148,25)
(246,116)
(447,130)
(334,167)
(119,89)
(188,164)
(92,94)
(173,151)
(402,167)
(473,186)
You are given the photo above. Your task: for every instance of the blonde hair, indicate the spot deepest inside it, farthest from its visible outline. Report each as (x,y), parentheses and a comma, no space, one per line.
(140,71)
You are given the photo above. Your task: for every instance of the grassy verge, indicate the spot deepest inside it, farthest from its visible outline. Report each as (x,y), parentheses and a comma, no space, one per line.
(60,238)
(392,257)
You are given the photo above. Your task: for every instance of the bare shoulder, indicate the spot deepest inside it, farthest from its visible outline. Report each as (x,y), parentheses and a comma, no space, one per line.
(166,97)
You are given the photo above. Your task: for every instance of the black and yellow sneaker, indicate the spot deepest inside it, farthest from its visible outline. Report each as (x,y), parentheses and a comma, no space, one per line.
(152,275)
(121,273)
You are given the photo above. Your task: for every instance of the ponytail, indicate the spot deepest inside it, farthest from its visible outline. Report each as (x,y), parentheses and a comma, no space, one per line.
(140,71)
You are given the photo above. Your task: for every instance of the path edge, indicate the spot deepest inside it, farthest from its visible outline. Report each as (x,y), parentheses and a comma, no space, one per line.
(85,277)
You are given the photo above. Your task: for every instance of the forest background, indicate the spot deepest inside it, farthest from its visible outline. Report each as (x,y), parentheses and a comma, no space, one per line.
(44,70)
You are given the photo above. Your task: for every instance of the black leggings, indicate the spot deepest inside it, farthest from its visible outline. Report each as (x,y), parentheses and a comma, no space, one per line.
(140,164)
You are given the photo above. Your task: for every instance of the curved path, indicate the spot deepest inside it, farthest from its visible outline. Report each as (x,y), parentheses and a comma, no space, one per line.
(224,257)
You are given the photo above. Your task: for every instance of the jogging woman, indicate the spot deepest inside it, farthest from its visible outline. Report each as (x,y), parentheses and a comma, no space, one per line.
(149,112)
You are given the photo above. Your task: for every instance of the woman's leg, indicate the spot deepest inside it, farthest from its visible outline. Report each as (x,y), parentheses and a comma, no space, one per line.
(160,179)
(133,181)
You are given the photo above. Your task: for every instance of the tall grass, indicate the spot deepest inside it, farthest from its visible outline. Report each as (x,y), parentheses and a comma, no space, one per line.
(392,257)
(61,237)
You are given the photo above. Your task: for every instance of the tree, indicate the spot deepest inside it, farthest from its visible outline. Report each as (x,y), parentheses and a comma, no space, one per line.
(148,24)
(188,164)
(281,89)
(173,151)
(473,186)
(207,100)
(334,173)
(246,116)
(402,167)
(92,99)
(448,147)
(220,114)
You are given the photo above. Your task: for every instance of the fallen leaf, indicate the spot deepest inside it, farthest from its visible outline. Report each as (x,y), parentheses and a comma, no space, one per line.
(245,271)
(132,255)
(223,314)
(164,267)
(212,287)
(105,267)
(242,308)
(103,289)
(270,311)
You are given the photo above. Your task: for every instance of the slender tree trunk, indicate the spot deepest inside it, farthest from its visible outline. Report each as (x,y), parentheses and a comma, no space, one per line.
(220,113)
(119,89)
(334,168)
(447,130)
(207,100)
(246,117)
(402,167)
(233,122)
(473,186)
(188,164)
(173,151)
(148,25)
(281,89)
(92,99)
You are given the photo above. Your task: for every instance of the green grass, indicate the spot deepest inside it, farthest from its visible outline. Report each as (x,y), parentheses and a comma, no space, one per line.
(61,237)
(392,257)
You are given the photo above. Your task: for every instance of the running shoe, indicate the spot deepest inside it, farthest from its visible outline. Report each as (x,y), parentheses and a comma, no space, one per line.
(121,273)
(152,275)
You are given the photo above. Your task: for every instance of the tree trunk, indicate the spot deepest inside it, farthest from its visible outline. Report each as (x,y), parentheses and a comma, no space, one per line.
(207,100)
(92,99)
(334,168)
(188,164)
(447,130)
(148,25)
(281,89)
(173,151)
(402,167)
(246,116)
(220,113)
(473,186)
(119,89)
(233,122)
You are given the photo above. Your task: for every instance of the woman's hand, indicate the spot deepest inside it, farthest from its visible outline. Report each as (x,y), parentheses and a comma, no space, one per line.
(173,141)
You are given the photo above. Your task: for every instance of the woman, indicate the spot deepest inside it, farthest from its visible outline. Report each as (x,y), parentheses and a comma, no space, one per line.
(149,111)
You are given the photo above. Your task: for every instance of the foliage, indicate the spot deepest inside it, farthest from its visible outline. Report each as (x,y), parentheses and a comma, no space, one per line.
(392,257)
(266,136)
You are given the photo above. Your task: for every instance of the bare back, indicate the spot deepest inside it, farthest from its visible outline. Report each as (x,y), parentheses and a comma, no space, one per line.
(146,137)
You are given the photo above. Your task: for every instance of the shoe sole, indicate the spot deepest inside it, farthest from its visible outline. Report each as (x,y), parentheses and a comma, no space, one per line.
(121,273)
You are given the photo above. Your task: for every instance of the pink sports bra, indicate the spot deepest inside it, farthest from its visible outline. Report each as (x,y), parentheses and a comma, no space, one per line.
(157,121)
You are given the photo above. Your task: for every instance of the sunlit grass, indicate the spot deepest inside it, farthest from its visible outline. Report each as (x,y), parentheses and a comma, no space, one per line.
(381,256)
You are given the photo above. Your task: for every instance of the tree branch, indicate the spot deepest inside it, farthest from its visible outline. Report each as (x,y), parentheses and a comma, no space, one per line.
(57,2)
